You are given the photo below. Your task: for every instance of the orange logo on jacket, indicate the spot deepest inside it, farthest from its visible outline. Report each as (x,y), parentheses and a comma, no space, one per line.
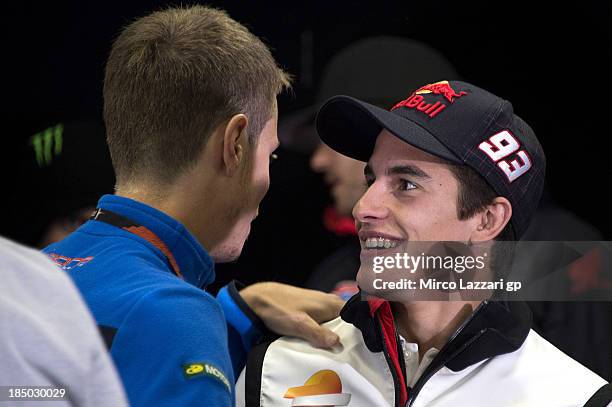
(323,388)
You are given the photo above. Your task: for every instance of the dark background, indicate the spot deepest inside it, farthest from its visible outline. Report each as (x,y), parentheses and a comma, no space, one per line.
(552,63)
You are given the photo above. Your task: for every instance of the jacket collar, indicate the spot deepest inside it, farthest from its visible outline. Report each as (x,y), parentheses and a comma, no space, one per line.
(358,312)
(196,266)
(494,328)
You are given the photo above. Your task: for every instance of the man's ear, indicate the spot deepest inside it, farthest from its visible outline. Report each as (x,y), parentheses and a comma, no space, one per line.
(234,143)
(492,220)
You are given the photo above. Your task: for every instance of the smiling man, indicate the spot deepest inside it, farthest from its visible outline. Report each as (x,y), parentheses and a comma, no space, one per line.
(451,163)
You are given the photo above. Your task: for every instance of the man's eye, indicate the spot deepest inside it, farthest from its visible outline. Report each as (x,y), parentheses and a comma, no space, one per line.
(406,185)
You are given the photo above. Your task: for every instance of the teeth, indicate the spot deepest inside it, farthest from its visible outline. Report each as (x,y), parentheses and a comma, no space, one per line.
(380,243)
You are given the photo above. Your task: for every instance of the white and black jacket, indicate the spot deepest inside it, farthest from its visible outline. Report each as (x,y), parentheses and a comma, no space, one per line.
(493,359)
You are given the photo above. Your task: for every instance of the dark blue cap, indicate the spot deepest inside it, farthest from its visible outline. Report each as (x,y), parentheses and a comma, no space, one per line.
(453,120)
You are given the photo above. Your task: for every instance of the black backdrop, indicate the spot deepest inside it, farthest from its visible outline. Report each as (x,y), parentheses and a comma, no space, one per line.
(552,63)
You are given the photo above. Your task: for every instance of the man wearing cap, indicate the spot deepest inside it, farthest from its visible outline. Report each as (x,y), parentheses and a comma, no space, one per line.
(392,65)
(452,162)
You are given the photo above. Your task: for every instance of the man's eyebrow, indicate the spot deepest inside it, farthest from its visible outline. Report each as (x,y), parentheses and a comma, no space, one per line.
(408,169)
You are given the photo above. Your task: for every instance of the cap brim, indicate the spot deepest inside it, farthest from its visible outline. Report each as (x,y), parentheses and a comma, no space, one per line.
(351,127)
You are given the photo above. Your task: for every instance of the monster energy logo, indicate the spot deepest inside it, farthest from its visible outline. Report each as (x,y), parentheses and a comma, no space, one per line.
(47,144)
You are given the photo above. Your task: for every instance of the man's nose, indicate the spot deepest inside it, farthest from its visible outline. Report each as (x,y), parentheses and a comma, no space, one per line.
(371,205)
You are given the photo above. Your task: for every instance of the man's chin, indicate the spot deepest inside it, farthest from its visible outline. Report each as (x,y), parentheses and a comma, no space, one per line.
(365,281)
(226,254)
(231,248)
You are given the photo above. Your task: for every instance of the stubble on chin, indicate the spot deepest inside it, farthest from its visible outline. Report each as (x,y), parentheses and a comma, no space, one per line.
(230,248)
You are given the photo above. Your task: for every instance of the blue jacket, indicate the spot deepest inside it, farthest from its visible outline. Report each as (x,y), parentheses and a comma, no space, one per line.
(172,342)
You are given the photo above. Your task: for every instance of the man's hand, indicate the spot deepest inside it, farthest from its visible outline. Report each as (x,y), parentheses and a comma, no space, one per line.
(293,311)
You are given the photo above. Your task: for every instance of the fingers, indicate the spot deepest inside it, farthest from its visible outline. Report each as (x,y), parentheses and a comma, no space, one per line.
(328,307)
(294,311)
(308,329)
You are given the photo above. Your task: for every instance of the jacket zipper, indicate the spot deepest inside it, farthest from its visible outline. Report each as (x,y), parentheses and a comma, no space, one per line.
(402,361)
(431,370)
(396,383)
(428,374)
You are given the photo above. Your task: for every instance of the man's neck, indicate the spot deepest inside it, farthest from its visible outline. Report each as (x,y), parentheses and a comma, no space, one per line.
(176,202)
(431,323)
(147,195)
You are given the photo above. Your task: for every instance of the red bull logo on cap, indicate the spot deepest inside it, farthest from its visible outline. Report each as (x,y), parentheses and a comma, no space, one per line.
(418,102)
(440,88)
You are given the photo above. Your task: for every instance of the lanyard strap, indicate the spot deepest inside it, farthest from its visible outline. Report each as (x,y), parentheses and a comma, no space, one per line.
(103,215)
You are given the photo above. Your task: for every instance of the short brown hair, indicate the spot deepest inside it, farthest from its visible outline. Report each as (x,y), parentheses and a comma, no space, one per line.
(474,195)
(172,77)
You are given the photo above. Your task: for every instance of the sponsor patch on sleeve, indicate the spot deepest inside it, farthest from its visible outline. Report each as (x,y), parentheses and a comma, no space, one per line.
(197,369)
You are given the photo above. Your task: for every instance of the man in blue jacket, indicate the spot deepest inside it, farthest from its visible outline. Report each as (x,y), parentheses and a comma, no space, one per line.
(190,111)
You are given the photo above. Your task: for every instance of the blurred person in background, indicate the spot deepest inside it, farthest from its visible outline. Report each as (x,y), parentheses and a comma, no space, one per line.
(64,169)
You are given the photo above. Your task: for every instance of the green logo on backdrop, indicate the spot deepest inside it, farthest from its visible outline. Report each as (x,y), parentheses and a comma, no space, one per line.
(47,144)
